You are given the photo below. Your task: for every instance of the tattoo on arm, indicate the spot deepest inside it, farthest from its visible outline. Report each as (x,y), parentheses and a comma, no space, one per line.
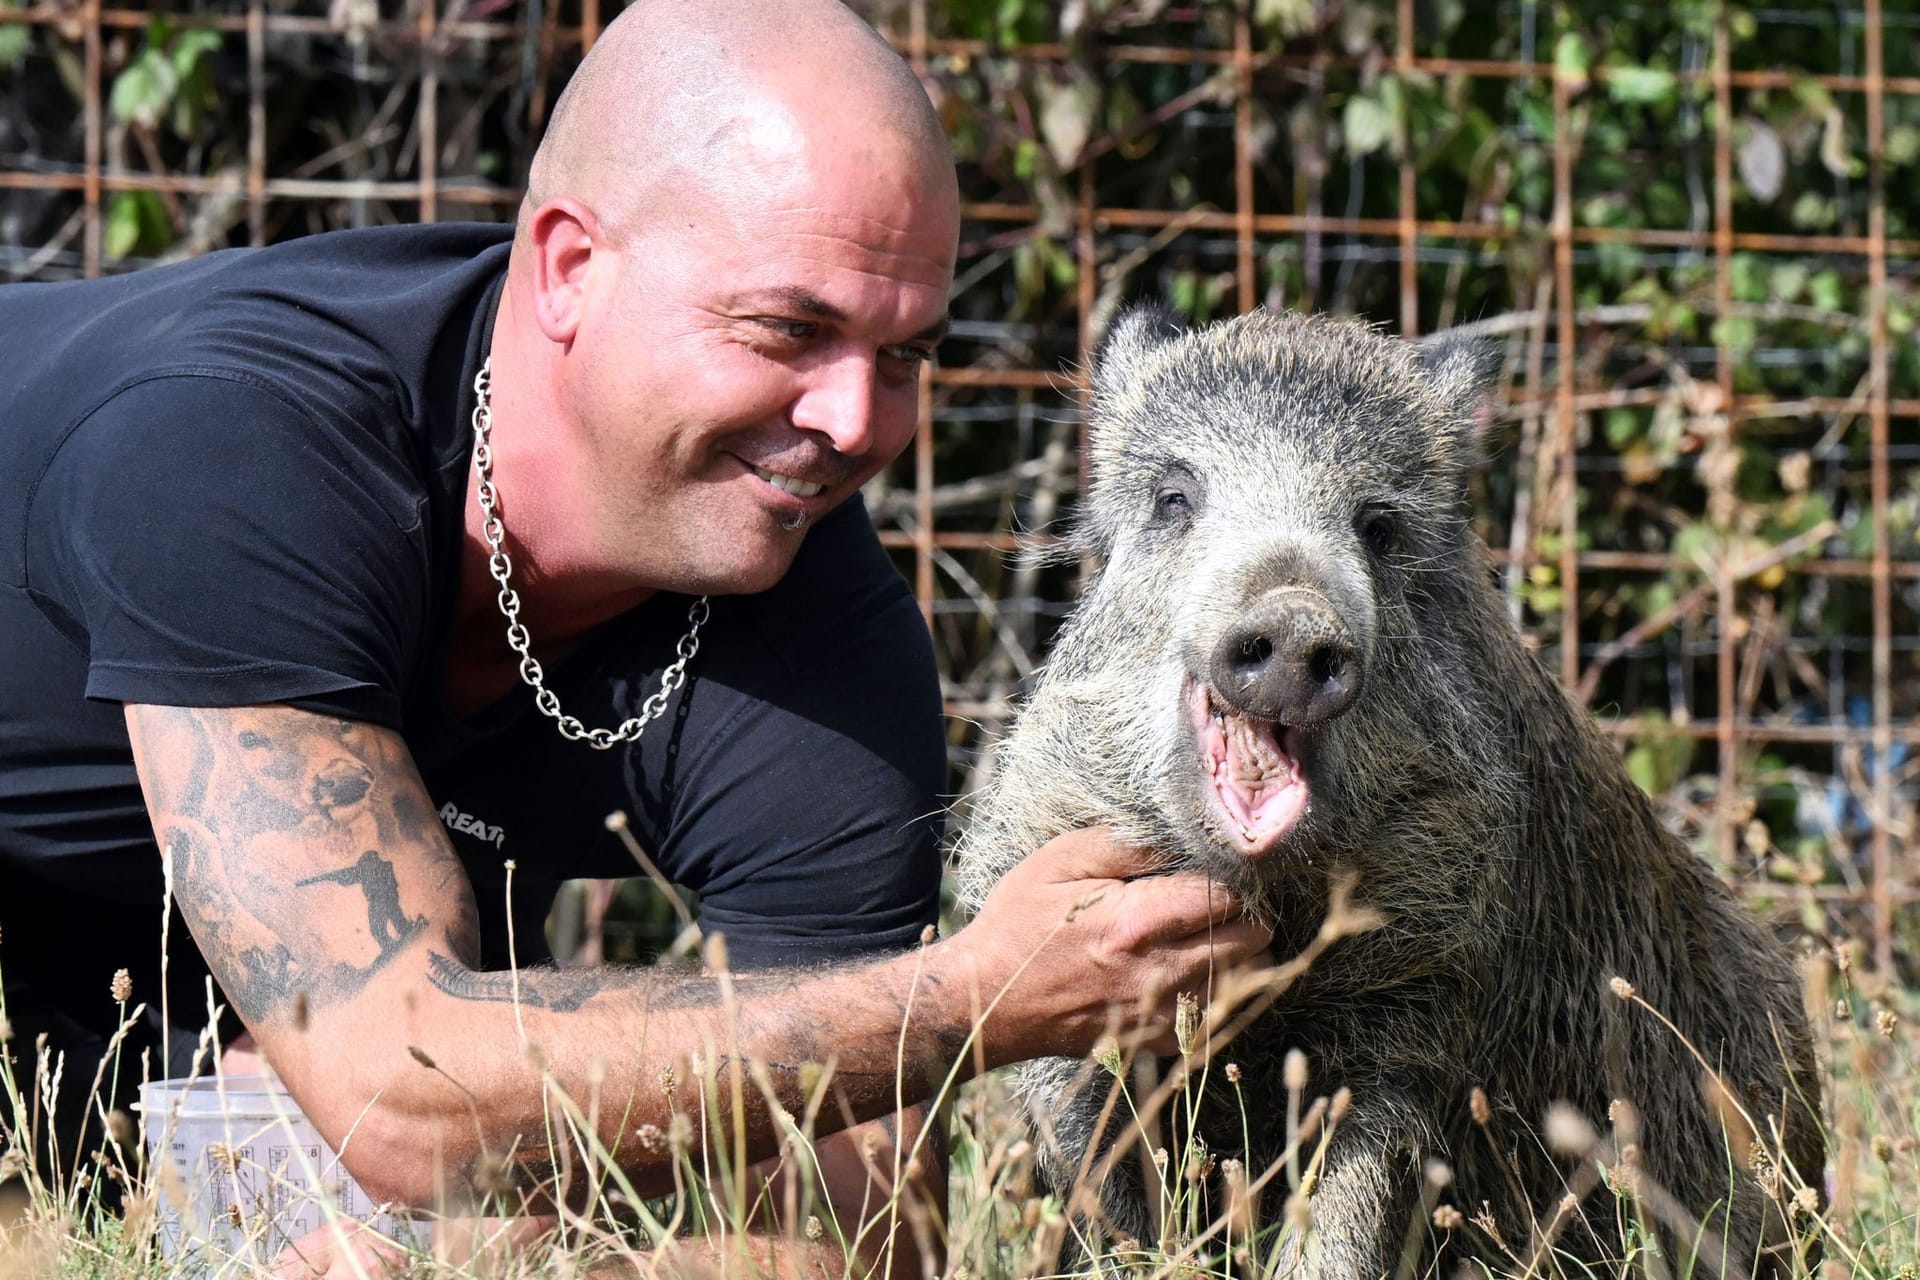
(562,990)
(267,816)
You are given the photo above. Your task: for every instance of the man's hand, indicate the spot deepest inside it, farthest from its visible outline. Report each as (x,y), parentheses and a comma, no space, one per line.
(1082,930)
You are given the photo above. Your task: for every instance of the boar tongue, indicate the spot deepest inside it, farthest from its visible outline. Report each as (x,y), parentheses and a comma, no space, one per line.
(1258,784)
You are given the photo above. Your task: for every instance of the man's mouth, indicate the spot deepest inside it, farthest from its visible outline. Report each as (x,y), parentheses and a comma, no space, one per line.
(793,485)
(1255,787)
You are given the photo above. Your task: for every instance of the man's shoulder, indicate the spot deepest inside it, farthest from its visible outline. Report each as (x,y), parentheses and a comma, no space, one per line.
(325,316)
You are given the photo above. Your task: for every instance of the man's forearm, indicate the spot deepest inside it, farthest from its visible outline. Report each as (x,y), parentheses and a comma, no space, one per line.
(674,1066)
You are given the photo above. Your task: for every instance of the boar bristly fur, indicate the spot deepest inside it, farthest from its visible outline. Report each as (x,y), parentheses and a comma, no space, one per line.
(1275,464)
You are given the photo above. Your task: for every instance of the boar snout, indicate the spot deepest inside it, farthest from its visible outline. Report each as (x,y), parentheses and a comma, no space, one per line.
(1290,658)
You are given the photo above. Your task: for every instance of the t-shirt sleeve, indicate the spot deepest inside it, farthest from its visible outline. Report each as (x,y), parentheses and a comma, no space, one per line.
(209,543)
(809,821)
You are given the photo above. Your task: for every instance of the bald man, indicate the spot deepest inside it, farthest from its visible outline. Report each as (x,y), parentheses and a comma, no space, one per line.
(353,581)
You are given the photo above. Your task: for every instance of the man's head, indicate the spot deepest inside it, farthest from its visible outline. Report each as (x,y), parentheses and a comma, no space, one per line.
(734,255)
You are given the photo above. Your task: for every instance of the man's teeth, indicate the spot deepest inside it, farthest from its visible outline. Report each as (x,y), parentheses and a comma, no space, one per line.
(789,484)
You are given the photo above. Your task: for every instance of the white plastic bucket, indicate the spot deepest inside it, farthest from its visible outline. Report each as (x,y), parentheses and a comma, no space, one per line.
(249,1176)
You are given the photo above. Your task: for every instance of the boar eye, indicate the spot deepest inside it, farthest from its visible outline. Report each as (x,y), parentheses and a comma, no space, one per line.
(1377,530)
(1171,504)
(1176,494)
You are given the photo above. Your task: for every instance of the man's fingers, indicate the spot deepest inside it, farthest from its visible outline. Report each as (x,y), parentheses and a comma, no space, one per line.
(1093,854)
(1177,907)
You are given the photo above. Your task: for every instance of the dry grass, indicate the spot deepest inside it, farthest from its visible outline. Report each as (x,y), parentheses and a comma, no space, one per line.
(1001,1223)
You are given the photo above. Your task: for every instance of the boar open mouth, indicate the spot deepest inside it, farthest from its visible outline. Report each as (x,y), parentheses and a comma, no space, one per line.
(1256,789)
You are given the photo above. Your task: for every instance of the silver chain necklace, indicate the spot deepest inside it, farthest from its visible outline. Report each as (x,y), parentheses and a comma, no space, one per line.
(500,566)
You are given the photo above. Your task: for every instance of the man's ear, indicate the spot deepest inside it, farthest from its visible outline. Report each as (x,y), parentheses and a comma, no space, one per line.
(562,235)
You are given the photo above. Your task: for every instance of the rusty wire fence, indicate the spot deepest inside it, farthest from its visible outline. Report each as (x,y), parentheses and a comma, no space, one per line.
(1685,226)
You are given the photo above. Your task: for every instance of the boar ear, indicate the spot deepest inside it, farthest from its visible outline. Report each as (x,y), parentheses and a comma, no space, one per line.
(1131,338)
(1461,368)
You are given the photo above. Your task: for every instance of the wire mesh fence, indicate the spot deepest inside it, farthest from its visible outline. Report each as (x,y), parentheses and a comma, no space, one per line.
(1686,227)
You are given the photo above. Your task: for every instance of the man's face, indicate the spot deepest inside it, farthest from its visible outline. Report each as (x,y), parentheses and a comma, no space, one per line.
(746,362)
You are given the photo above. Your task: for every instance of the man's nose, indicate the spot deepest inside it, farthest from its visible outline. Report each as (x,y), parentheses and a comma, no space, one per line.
(837,401)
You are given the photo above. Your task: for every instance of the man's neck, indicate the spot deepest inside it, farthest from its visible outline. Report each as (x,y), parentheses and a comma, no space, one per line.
(563,595)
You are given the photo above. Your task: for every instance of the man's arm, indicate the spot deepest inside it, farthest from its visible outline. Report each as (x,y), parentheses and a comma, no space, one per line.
(312,870)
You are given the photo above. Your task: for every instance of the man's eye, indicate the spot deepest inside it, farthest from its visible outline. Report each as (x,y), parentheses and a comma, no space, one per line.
(915,356)
(791,330)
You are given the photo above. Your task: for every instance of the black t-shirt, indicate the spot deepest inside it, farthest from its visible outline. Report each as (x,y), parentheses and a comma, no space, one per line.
(241,480)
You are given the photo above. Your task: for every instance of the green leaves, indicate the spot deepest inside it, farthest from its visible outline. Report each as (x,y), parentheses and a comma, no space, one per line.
(1647,85)
(170,79)
(15,38)
(137,222)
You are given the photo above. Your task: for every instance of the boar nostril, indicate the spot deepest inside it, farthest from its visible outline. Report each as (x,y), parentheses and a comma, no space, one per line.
(1326,665)
(1255,653)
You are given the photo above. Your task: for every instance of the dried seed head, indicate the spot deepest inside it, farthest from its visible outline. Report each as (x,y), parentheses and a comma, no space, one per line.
(652,1139)
(927,935)
(1621,987)
(1625,1118)
(617,820)
(1439,1174)
(1240,1204)
(1842,1012)
(679,1132)
(716,952)
(810,1075)
(1233,1073)
(1623,1180)
(1806,1202)
(1186,1020)
(1341,1101)
(6,1030)
(1887,1021)
(1883,1148)
(1107,1054)
(1482,1110)
(667,1081)
(1843,956)
(1568,1132)
(122,988)
(122,1129)
(814,1229)
(492,1175)
(1293,1072)
(1299,1212)
(422,1057)
(1447,1218)
(1160,1158)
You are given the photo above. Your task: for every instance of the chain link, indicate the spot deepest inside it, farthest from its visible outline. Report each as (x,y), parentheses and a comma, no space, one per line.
(500,565)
